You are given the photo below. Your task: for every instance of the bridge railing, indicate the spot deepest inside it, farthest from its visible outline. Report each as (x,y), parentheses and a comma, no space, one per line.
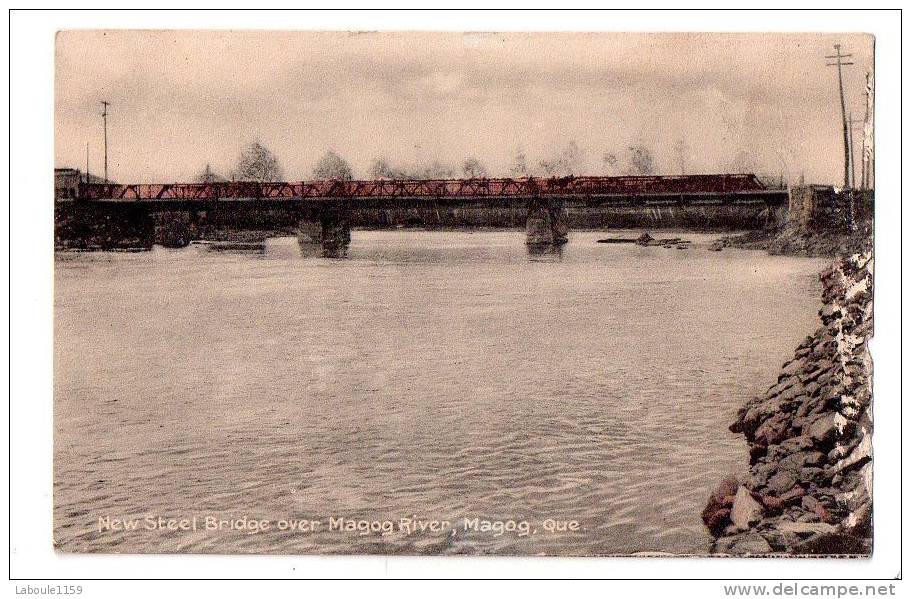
(393,188)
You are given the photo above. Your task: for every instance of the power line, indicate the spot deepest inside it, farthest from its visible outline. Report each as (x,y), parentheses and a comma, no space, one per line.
(844,117)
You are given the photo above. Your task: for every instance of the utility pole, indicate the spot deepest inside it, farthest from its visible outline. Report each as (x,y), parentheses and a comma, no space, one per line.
(866,179)
(87,163)
(863,154)
(851,123)
(844,117)
(104,115)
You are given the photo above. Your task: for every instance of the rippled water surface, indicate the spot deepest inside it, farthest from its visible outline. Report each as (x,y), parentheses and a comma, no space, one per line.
(447,376)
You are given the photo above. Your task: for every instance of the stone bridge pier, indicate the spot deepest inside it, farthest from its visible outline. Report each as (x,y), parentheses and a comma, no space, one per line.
(175,228)
(325,231)
(546,224)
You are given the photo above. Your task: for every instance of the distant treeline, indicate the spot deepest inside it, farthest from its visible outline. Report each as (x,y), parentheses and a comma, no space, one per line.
(257,163)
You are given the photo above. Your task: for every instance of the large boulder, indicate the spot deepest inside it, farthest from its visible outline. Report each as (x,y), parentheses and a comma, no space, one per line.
(773,430)
(781,483)
(746,511)
(824,429)
(716,514)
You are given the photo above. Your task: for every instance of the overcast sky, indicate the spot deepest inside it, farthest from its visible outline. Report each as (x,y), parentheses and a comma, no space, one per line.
(181,99)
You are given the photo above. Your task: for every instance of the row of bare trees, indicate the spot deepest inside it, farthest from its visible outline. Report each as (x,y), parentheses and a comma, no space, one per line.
(258,163)
(471,168)
(572,160)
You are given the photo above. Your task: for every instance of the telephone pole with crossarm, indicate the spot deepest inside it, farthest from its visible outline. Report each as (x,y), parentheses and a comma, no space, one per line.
(838,58)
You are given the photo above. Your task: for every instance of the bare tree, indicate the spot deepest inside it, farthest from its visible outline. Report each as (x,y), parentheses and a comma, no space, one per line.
(332,166)
(572,158)
(435,170)
(472,168)
(568,161)
(550,166)
(641,161)
(208,176)
(380,169)
(609,159)
(257,163)
(519,164)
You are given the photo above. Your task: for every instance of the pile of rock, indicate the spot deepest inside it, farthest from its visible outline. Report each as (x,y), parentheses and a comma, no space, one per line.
(647,240)
(809,489)
(793,240)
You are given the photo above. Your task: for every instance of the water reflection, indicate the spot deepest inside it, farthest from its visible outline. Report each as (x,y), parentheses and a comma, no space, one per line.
(323,250)
(238,247)
(545,252)
(335,251)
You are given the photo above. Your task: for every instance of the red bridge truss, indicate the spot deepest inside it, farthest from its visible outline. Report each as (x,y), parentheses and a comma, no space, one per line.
(435,188)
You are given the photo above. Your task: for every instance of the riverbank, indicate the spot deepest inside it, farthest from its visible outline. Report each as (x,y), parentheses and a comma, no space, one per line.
(793,240)
(809,487)
(821,221)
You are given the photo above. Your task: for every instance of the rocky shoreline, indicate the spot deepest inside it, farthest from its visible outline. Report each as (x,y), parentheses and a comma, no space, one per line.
(809,486)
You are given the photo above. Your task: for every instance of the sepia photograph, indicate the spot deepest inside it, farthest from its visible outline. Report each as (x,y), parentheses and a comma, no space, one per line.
(462,293)
(599,297)
(590,297)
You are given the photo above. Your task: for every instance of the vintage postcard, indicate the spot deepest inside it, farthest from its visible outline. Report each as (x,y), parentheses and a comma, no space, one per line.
(559,294)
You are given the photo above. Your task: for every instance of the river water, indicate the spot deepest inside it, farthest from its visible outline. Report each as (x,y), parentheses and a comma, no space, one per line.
(433,376)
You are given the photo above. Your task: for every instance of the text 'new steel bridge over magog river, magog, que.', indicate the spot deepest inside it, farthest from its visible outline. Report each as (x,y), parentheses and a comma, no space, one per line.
(99,215)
